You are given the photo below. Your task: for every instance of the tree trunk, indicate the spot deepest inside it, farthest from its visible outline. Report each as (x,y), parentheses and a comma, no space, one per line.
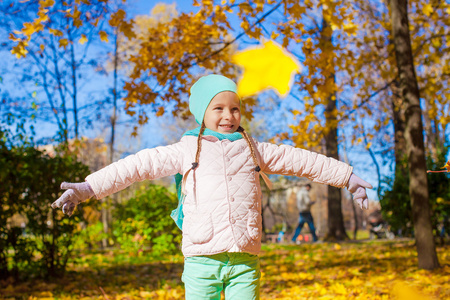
(336,229)
(354,210)
(433,140)
(399,136)
(106,209)
(73,64)
(418,188)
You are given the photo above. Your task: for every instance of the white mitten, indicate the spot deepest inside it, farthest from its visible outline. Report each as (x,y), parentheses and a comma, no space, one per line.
(75,194)
(357,187)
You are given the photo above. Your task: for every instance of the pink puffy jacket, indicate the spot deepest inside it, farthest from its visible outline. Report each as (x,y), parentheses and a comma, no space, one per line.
(222,207)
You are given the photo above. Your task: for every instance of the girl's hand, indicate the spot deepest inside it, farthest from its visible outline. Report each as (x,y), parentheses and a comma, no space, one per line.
(357,187)
(75,194)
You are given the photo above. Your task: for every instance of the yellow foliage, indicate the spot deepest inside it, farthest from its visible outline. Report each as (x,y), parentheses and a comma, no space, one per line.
(427,9)
(20,49)
(77,22)
(63,43)
(55,32)
(264,67)
(103,36)
(402,291)
(117,18)
(160,111)
(83,39)
(42,16)
(350,28)
(46,3)
(12,37)
(29,28)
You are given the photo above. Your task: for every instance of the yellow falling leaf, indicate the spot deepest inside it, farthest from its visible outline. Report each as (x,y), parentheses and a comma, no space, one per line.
(264,67)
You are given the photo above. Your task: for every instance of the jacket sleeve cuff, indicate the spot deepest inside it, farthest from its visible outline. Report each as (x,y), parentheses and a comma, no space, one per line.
(347,176)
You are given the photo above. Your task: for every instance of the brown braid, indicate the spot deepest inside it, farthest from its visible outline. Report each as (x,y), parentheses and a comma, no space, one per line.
(199,146)
(250,144)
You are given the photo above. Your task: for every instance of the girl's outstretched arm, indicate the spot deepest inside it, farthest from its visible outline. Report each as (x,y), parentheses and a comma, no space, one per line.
(146,164)
(288,160)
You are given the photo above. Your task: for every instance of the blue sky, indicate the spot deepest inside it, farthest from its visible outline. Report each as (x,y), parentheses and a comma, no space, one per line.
(145,6)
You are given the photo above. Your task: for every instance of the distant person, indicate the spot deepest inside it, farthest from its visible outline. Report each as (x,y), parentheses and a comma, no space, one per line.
(304,204)
(220,167)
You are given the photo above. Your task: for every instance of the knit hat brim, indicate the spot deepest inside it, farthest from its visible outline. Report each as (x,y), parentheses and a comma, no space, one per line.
(204,90)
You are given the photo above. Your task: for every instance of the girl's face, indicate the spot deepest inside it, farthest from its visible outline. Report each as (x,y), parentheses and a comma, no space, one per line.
(223,114)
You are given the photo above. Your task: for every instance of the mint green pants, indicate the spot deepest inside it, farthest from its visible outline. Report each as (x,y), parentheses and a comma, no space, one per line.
(237,274)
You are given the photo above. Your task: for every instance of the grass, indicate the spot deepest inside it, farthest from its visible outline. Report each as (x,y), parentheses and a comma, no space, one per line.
(350,270)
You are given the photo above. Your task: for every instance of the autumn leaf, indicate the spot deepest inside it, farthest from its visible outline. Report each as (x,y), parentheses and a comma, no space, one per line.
(63,43)
(160,111)
(28,29)
(77,22)
(47,3)
(264,67)
(117,18)
(405,292)
(20,49)
(103,36)
(427,9)
(83,39)
(55,32)
(127,29)
(350,28)
(12,37)
(380,270)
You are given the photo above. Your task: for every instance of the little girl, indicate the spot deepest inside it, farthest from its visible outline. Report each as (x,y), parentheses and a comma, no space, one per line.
(221,166)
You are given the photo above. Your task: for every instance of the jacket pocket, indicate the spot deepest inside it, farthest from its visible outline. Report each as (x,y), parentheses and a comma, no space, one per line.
(254,224)
(200,229)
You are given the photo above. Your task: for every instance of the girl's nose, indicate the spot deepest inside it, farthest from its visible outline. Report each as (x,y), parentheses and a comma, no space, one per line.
(227,114)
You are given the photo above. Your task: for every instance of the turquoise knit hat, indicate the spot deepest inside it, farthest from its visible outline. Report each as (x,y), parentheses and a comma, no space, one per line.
(204,90)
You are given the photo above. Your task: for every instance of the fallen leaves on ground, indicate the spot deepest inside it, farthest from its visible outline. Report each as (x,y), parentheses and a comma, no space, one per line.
(376,270)
(360,270)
